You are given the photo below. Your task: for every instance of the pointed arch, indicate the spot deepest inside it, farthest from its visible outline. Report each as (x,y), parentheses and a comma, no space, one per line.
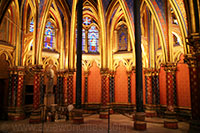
(9,57)
(158,25)
(181,23)
(28,17)
(54,12)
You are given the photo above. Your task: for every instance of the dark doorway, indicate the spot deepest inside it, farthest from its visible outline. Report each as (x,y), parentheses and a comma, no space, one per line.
(3,98)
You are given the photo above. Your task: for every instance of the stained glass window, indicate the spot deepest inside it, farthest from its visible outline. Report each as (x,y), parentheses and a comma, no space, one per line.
(93,38)
(123,38)
(83,39)
(31,28)
(49,36)
(86,21)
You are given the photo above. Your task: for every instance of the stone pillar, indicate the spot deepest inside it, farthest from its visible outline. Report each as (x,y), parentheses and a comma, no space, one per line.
(104,94)
(86,87)
(35,115)
(150,108)
(170,114)
(139,123)
(16,94)
(77,112)
(70,82)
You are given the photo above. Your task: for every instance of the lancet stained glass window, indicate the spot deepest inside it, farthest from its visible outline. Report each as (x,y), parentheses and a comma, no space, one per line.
(123,38)
(90,37)
(31,28)
(93,38)
(49,36)
(83,39)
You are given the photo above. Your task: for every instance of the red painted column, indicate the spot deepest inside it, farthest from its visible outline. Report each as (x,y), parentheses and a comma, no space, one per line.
(70,80)
(150,109)
(20,87)
(148,76)
(105,87)
(65,88)
(194,70)
(156,91)
(104,94)
(129,73)
(35,115)
(171,96)
(171,81)
(15,109)
(36,91)
(86,74)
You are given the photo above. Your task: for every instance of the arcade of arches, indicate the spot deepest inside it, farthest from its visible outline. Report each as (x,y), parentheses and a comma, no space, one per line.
(38,45)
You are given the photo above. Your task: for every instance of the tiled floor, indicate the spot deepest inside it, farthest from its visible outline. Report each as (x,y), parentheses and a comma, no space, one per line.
(118,124)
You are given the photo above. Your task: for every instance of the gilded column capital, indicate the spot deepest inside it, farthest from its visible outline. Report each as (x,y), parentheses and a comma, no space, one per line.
(104,71)
(86,73)
(20,70)
(194,42)
(65,74)
(155,72)
(61,73)
(191,60)
(71,72)
(148,71)
(170,67)
(37,68)
(111,73)
(129,73)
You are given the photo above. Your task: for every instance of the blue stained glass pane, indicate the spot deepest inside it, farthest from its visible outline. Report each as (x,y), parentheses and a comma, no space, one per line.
(86,21)
(49,36)
(123,38)
(31,28)
(93,37)
(83,39)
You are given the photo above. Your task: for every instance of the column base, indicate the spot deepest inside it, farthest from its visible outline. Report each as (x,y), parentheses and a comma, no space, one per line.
(77,116)
(140,116)
(15,113)
(35,117)
(171,123)
(150,113)
(103,115)
(170,115)
(78,120)
(194,126)
(139,123)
